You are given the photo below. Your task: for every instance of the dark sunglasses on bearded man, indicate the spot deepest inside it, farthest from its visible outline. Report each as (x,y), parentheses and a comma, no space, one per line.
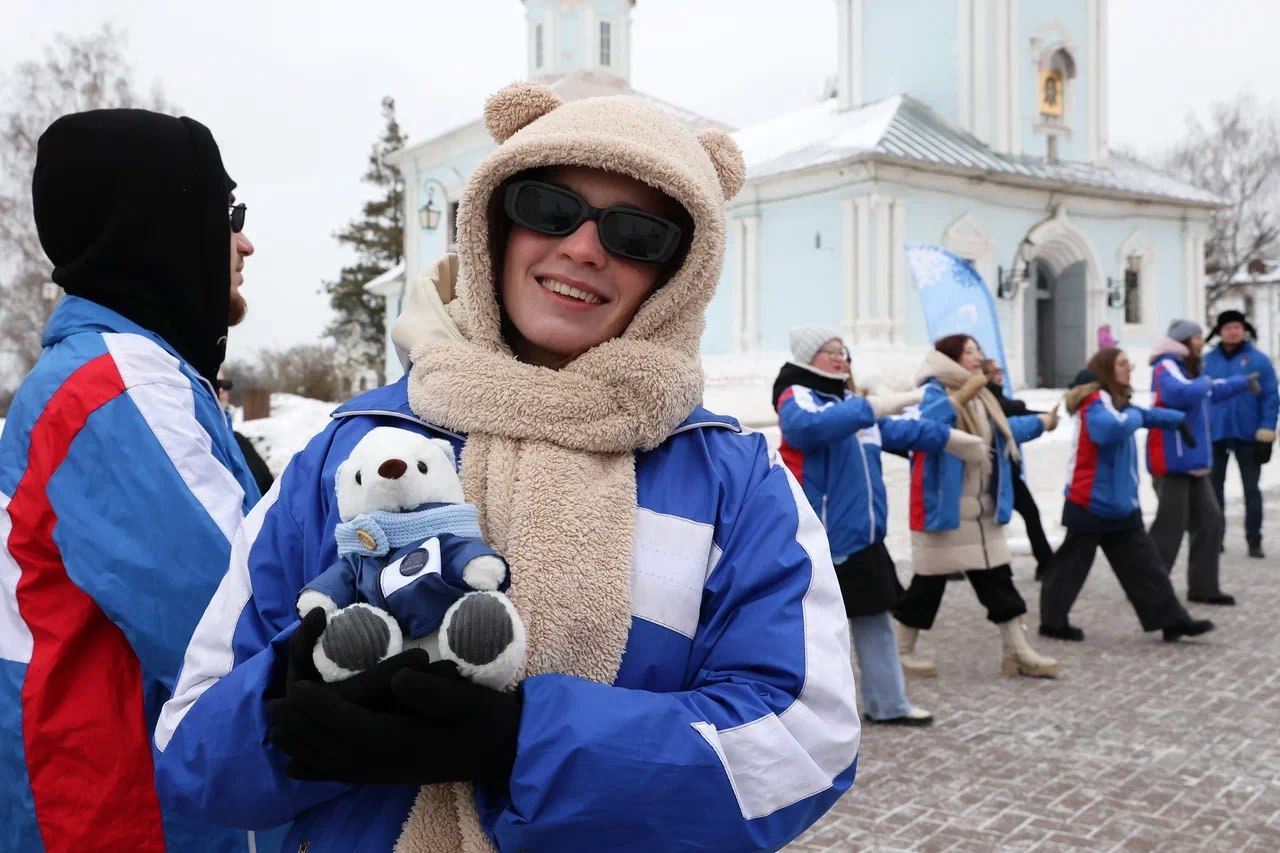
(624,231)
(237,217)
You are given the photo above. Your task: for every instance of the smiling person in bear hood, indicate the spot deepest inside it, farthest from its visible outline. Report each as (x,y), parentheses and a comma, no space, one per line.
(121,484)
(682,611)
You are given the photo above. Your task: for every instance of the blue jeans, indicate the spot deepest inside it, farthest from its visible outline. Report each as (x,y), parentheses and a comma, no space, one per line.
(884,693)
(1250,470)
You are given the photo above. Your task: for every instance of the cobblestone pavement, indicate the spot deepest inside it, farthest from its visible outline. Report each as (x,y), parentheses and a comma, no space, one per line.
(1139,745)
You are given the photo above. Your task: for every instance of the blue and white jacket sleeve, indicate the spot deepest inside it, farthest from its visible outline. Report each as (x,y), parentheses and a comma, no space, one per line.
(1174,388)
(810,423)
(214,764)
(1106,425)
(761,741)
(913,433)
(1026,427)
(113,539)
(1224,389)
(1269,402)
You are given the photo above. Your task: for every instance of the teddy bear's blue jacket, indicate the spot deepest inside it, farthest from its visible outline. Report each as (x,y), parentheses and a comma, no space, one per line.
(415,583)
(731,725)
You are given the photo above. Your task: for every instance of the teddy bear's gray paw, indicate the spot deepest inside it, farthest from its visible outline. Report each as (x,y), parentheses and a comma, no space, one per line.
(483,635)
(356,638)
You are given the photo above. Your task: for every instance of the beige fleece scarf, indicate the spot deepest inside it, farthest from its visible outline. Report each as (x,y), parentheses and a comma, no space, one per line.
(550,454)
(969,418)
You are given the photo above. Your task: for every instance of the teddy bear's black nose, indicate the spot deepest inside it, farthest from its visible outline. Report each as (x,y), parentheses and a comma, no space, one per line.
(392,469)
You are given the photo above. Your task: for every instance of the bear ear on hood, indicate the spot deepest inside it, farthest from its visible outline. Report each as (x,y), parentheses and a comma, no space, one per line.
(516,106)
(726,156)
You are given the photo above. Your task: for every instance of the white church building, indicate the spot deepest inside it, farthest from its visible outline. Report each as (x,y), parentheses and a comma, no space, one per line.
(978,125)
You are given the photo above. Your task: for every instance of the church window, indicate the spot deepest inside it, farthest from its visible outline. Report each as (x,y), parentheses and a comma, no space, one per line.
(605,43)
(1133,290)
(537,46)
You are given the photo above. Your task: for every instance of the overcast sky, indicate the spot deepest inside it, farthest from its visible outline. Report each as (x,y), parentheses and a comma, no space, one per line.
(291,90)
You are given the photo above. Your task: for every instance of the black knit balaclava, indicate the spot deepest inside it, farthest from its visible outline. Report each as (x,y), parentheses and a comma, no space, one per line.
(131,208)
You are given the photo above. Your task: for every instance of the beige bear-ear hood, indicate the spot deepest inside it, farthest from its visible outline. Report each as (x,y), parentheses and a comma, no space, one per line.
(622,134)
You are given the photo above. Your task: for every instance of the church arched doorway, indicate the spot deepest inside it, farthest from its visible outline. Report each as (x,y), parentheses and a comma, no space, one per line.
(1055,324)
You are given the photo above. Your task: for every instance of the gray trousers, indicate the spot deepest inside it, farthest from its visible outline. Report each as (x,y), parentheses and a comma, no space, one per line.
(1188,505)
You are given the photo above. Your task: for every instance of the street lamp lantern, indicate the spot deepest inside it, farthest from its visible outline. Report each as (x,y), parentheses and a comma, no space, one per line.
(429,215)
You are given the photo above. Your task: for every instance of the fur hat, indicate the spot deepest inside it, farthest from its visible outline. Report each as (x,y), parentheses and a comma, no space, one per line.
(623,134)
(1232,316)
(807,340)
(1184,330)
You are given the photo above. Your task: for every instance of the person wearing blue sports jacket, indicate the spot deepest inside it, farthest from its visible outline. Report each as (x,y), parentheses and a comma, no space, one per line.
(688,682)
(831,442)
(1243,426)
(121,485)
(1102,509)
(1180,462)
(959,509)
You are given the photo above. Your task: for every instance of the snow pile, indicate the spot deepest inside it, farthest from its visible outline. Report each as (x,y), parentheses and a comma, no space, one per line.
(293,422)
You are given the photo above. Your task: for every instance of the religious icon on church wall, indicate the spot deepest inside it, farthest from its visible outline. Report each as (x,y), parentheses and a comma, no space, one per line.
(1051,93)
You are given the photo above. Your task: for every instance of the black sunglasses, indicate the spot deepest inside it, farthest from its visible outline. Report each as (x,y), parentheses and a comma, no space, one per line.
(624,231)
(237,217)
(225,384)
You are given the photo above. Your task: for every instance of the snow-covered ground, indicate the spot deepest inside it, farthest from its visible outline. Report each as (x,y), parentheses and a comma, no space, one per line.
(294,420)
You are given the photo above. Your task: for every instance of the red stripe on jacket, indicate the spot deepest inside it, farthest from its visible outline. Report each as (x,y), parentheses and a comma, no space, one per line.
(917,490)
(791,457)
(1085,473)
(1155,437)
(84,725)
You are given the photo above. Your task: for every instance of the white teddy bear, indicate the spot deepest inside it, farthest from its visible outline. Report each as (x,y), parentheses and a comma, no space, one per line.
(412,568)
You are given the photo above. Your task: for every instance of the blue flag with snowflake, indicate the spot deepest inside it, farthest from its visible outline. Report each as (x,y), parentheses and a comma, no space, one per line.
(956,300)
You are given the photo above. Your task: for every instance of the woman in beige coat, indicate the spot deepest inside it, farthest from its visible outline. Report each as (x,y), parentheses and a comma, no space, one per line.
(958,510)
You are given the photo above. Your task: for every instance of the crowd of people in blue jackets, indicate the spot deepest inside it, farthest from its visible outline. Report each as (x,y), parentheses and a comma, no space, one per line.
(1206,408)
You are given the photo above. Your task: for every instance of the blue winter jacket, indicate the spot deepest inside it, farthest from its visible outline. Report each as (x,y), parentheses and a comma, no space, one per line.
(1102,472)
(1167,452)
(121,487)
(937,477)
(1242,416)
(738,650)
(832,445)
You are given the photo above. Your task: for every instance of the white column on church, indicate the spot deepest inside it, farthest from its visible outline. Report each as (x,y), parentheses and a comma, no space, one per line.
(849,53)
(849,268)
(748,338)
(1014,58)
(981,60)
(898,274)
(862,281)
(884,267)
(964,64)
(1001,139)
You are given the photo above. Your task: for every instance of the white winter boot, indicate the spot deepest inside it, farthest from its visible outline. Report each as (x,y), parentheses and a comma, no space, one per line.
(1019,657)
(911,663)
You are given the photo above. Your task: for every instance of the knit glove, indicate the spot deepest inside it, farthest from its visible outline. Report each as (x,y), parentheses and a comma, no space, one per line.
(1050,419)
(1264,442)
(971,449)
(969,389)
(892,404)
(439,727)
(1255,384)
(371,688)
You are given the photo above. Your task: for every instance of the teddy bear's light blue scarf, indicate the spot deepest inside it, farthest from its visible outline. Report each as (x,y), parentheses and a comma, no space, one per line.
(392,530)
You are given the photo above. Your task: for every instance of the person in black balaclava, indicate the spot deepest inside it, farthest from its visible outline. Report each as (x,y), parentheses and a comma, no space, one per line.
(122,483)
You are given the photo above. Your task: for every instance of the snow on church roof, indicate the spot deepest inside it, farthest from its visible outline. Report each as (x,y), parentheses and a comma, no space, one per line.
(904,128)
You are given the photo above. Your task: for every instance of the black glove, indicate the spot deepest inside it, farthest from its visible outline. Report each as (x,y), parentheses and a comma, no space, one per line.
(1187,435)
(299,666)
(441,728)
(1262,451)
(371,688)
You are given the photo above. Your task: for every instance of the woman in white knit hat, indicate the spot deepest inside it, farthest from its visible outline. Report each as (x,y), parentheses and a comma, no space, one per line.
(687,683)
(831,442)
